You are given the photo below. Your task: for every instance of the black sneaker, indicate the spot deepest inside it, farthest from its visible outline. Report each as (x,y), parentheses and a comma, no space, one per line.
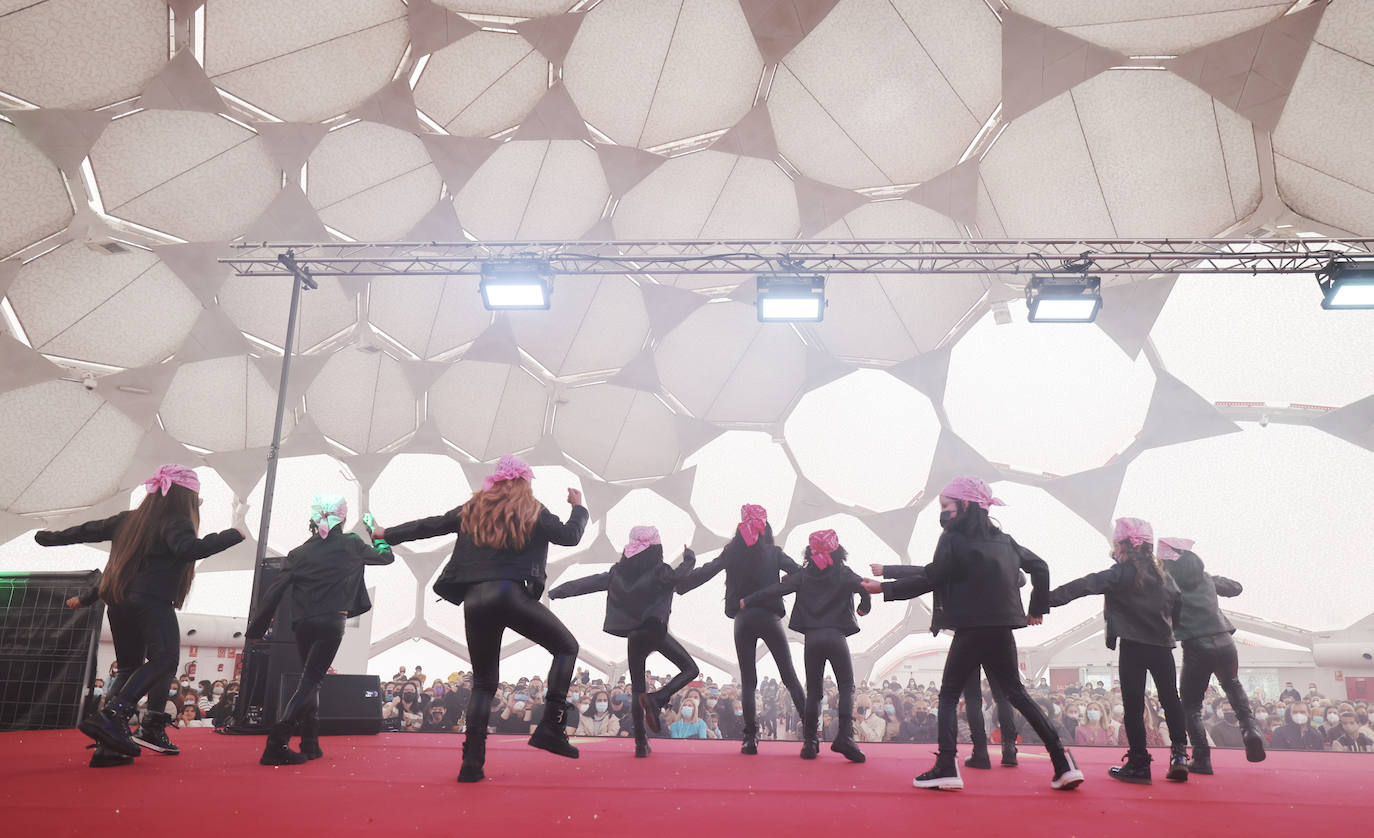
(1200,765)
(1254,741)
(1067,775)
(944,775)
(106,758)
(152,734)
(1136,769)
(811,748)
(979,759)
(280,754)
(110,727)
(1178,765)
(553,739)
(849,749)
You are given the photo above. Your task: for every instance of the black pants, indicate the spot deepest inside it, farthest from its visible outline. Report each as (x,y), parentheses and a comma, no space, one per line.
(751,626)
(827,646)
(1203,658)
(973,708)
(994,649)
(147,643)
(489,609)
(317,641)
(643,642)
(1136,660)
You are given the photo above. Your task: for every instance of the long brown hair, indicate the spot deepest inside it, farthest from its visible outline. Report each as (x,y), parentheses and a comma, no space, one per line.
(139,532)
(502,516)
(1142,558)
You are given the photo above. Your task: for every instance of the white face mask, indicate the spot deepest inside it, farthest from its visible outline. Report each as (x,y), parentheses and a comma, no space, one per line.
(574,696)
(1261,716)
(98,691)
(688,711)
(1056,709)
(218,690)
(518,706)
(584,707)
(710,702)
(1299,718)
(601,706)
(1094,715)
(1117,710)
(172,691)
(1332,718)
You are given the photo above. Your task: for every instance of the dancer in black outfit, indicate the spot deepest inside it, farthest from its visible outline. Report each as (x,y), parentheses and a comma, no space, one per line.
(639,600)
(325,577)
(153,558)
(973,693)
(497,573)
(1141,607)
(1208,650)
(751,562)
(824,613)
(974,577)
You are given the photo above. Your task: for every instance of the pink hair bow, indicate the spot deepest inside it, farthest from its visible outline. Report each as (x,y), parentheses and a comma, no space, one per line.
(823,543)
(1171,548)
(971,489)
(752,521)
(166,475)
(508,468)
(641,539)
(1134,530)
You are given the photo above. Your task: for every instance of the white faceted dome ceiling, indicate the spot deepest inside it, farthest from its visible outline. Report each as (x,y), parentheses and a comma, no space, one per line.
(1219,407)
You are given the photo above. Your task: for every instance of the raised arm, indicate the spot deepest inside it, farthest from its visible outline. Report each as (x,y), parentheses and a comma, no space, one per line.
(788,585)
(1039,573)
(180,537)
(585,585)
(446,524)
(698,576)
(557,532)
(1227,587)
(377,553)
(682,574)
(87,533)
(1093,583)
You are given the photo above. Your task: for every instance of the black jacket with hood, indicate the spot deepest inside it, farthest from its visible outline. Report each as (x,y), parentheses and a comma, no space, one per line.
(1199,612)
(325,576)
(1135,611)
(825,598)
(747,571)
(639,589)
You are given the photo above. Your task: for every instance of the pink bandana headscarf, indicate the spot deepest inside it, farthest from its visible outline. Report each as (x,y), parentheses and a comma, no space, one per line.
(971,489)
(1171,548)
(641,539)
(1134,530)
(508,468)
(328,512)
(165,476)
(752,520)
(823,543)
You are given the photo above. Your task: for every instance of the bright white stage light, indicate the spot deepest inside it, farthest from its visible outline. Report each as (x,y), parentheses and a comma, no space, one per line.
(1347,285)
(1063,299)
(791,298)
(516,286)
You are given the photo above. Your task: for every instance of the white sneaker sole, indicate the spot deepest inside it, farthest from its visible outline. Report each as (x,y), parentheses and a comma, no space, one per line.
(1068,781)
(941,783)
(144,743)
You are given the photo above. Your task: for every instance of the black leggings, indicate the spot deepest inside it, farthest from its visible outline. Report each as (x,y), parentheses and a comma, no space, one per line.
(1201,659)
(317,641)
(147,642)
(1136,660)
(827,646)
(973,708)
(643,642)
(994,649)
(751,626)
(489,609)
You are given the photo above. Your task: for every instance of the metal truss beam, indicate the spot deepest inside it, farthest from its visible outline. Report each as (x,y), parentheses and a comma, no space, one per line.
(912,256)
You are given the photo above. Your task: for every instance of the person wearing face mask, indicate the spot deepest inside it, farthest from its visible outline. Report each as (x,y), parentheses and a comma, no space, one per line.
(1208,650)
(1351,738)
(1096,727)
(497,574)
(1296,734)
(1331,728)
(689,724)
(869,726)
(599,720)
(751,562)
(639,600)
(1141,608)
(730,716)
(824,612)
(325,579)
(153,555)
(974,578)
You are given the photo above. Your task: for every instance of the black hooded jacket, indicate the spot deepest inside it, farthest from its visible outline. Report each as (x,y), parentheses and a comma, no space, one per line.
(1142,613)
(472,563)
(825,598)
(325,576)
(1199,612)
(639,589)
(976,580)
(747,571)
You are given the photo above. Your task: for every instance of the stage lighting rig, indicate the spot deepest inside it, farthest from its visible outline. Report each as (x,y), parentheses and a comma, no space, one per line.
(1347,285)
(790,298)
(517,285)
(1064,299)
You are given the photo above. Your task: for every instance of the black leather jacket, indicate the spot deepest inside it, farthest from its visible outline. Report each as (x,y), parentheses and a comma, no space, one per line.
(825,598)
(325,576)
(976,580)
(1142,613)
(747,571)
(639,589)
(1199,612)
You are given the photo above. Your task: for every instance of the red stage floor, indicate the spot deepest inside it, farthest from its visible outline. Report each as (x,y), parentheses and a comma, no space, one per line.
(399,783)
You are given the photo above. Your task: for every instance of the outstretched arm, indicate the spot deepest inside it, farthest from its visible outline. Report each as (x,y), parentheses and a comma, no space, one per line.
(445,524)
(682,574)
(568,534)
(585,585)
(180,537)
(377,553)
(1227,587)
(1093,583)
(788,585)
(87,533)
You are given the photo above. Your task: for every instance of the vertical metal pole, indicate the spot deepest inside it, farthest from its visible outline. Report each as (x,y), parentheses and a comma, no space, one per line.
(299,277)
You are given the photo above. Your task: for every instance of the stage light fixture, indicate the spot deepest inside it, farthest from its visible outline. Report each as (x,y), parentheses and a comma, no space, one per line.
(1347,285)
(1063,299)
(790,298)
(521,285)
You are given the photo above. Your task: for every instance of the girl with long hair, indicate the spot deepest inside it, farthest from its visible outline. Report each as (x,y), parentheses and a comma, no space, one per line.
(325,577)
(824,613)
(497,573)
(639,600)
(1141,607)
(1208,650)
(974,575)
(752,562)
(153,555)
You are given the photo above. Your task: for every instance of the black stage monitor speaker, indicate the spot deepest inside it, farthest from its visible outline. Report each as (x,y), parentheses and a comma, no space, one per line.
(349,704)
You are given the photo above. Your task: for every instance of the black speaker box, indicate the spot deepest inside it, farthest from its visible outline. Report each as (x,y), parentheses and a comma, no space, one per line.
(349,704)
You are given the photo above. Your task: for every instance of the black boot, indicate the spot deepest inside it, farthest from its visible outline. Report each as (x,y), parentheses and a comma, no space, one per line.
(649,707)
(310,734)
(1136,770)
(943,775)
(751,740)
(1009,754)
(1254,741)
(278,750)
(642,748)
(979,758)
(552,734)
(152,734)
(106,758)
(474,757)
(1178,764)
(811,746)
(1202,760)
(1067,775)
(110,727)
(844,743)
